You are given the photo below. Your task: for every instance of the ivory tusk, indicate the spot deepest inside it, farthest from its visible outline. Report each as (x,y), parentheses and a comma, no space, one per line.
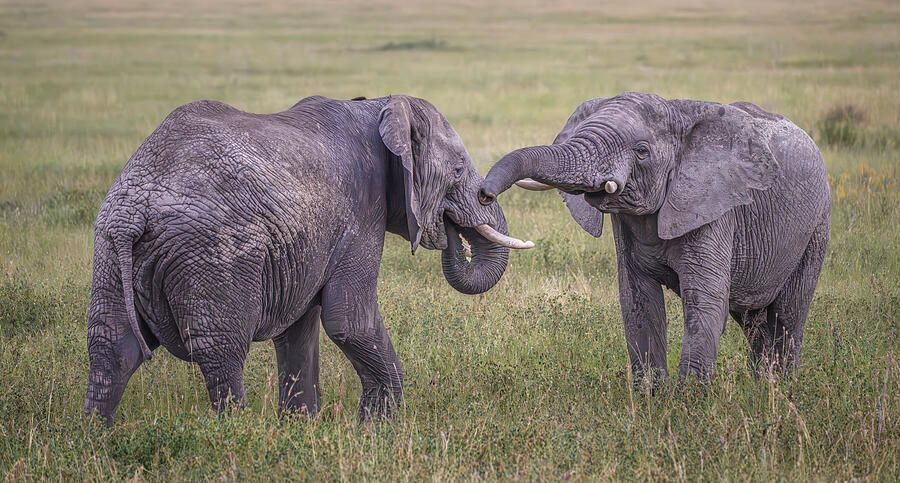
(610,187)
(467,249)
(532,185)
(501,239)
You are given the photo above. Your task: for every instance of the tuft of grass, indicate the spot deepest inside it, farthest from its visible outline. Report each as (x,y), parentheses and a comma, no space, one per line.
(841,125)
(27,305)
(72,207)
(423,44)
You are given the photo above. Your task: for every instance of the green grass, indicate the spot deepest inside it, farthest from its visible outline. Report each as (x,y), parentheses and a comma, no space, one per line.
(527,381)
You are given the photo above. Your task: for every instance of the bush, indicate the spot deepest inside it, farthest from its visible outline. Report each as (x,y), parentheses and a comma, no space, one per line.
(28,307)
(73,207)
(840,126)
(424,44)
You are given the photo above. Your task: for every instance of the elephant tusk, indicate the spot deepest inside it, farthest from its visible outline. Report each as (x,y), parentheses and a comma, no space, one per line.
(501,239)
(466,248)
(610,187)
(532,185)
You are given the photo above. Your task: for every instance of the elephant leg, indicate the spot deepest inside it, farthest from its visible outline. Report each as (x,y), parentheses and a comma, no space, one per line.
(215,338)
(113,349)
(787,313)
(760,336)
(223,372)
(115,354)
(216,307)
(644,317)
(220,355)
(704,272)
(351,319)
(297,353)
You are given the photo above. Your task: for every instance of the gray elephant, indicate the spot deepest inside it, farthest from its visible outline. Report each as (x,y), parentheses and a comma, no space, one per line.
(227,227)
(726,205)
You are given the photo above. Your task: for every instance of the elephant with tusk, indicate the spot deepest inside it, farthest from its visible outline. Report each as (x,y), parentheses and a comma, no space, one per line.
(227,227)
(726,205)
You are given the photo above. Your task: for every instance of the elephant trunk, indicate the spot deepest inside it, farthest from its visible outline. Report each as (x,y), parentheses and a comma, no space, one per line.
(488,259)
(544,164)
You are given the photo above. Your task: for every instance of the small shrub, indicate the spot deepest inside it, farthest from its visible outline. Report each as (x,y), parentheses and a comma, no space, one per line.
(425,44)
(28,307)
(840,126)
(73,207)
(885,139)
(21,305)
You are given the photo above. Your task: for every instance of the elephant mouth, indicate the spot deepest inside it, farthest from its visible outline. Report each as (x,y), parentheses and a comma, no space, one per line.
(483,230)
(621,201)
(458,237)
(596,199)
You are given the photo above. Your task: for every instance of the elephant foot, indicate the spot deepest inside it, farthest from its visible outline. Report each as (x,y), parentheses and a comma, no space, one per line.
(648,381)
(379,402)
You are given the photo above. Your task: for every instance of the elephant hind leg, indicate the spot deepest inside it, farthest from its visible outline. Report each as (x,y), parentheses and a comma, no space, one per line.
(115,354)
(216,334)
(220,350)
(297,353)
(113,348)
(762,336)
(787,313)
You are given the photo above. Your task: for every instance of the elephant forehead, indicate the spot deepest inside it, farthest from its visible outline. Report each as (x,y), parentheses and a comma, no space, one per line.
(636,117)
(615,129)
(445,141)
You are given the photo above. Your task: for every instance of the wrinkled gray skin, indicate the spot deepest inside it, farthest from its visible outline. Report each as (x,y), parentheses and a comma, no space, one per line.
(227,227)
(726,205)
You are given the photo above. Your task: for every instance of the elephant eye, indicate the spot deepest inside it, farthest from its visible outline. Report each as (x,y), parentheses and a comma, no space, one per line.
(459,171)
(642,150)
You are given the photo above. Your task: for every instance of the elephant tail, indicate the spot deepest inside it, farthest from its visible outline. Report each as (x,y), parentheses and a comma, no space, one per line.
(123,247)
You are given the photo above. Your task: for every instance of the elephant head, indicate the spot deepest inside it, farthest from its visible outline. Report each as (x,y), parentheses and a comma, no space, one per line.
(440,186)
(638,154)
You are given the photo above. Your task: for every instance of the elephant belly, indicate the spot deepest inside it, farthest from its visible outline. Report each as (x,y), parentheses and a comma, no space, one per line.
(294,276)
(767,251)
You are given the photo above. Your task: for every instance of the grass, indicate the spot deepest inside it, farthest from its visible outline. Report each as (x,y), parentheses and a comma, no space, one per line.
(528,381)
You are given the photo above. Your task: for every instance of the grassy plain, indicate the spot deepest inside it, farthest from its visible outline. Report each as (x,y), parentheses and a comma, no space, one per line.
(528,381)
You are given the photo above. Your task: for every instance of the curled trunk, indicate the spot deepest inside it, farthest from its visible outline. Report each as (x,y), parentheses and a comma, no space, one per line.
(485,268)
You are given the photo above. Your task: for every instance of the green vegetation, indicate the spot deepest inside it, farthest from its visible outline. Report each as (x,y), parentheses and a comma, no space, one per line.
(528,381)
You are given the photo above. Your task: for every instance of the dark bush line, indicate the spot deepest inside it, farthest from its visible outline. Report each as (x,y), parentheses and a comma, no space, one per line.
(423,44)
(844,126)
(27,307)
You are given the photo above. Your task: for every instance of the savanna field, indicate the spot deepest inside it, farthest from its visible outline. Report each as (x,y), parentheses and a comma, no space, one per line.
(528,381)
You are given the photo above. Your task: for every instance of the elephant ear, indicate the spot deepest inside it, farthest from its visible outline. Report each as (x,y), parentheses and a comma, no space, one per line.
(588,217)
(724,158)
(396,130)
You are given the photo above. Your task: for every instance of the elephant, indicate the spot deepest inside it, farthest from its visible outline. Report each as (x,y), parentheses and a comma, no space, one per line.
(227,227)
(726,205)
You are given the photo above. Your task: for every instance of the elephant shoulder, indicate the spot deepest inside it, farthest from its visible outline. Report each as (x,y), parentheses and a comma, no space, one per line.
(311,100)
(757,112)
(202,109)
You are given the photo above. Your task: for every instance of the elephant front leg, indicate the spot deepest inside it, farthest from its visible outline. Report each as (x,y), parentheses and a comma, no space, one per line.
(705,279)
(644,317)
(351,319)
(297,352)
